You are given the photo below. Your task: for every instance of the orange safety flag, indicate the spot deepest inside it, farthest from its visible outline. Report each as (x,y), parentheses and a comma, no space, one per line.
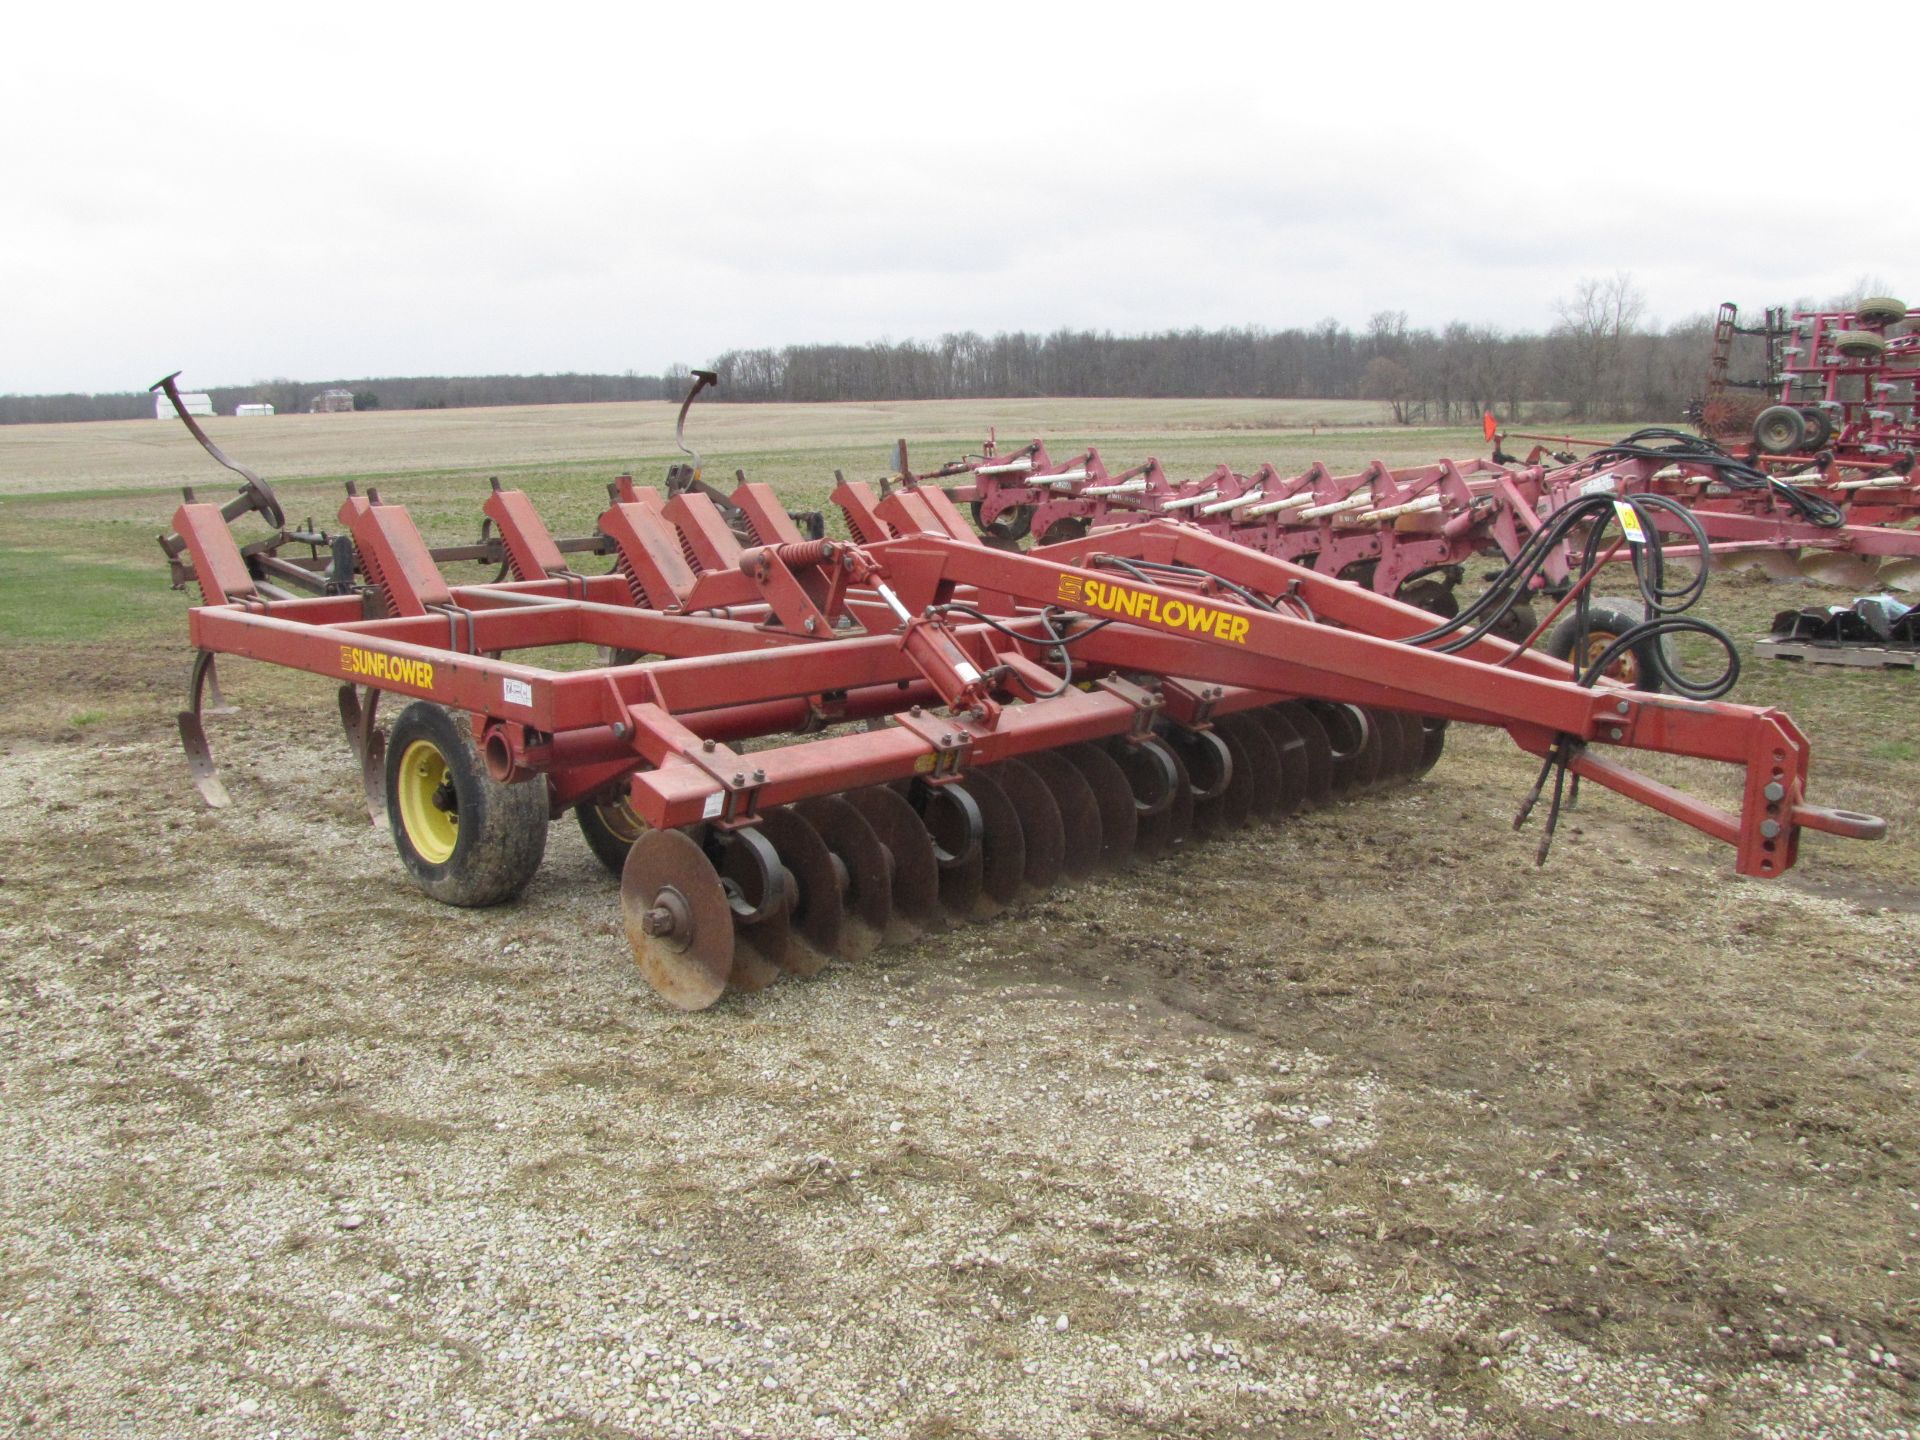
(1488,425)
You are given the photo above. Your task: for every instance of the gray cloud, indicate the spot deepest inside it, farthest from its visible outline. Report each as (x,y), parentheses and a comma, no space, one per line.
(611,189)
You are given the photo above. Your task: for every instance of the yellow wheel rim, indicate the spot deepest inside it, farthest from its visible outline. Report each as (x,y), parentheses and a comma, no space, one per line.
(433,824)
(618,816)
(1626,668)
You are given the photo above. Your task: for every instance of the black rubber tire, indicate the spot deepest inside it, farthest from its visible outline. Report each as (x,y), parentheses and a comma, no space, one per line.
(1818,428)
(502,829)
(609,836)
(1012,525)
(1779,430)
(1435,596)
(1604,625)
(1880,310)
(1858,344)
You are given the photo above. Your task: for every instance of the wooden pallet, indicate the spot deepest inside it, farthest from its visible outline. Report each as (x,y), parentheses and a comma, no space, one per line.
(1833,652)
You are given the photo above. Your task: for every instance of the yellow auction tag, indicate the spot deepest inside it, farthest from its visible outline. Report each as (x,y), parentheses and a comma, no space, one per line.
(1630,522)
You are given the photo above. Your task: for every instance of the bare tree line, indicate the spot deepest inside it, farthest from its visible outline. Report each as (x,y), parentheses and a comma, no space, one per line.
(1598,361)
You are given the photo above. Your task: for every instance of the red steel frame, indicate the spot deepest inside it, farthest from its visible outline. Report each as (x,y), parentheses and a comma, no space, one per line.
(793,635)
(1388,527)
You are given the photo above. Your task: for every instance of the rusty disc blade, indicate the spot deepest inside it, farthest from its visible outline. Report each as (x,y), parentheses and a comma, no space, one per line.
(1113,796)
(1433,741)
(1162,827)
(1003,846)
(1384,726)
(670,887)
(817,913)
(1209,765)
(951,818)
(1412,743)
(1318,751)
(1289,755)
(1079,810)
(762,950)
(1346,738)
(1245,786)
(916,874)
(1255,747)
(1370,765)
(1041,827)
(863,867)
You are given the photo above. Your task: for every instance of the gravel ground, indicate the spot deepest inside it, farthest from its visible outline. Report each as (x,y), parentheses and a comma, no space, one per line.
(1359,1126)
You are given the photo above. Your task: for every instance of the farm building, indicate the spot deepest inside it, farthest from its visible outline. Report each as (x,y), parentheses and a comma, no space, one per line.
(328,401)
(196,403)
(262,409)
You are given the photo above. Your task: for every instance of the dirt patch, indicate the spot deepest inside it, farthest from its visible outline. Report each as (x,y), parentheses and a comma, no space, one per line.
(1356,1126)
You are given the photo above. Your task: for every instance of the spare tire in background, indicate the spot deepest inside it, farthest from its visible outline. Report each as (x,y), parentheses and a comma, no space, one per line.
(1880,310)
(1817,426)
(1858,344)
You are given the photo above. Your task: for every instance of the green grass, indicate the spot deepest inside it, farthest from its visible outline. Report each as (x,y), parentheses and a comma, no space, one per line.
(50,597)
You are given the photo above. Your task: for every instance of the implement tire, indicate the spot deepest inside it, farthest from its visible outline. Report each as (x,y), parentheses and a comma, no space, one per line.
(1818,426)
(1859,344)
(1779,430)
(465,838)
(1638,667)
(1881,310)
(610,828)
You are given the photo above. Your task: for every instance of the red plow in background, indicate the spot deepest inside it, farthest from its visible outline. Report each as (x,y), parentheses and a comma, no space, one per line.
(1411,532)
(1844,388)
(793,749)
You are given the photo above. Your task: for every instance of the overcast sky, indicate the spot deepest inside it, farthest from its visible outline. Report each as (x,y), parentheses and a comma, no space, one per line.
(327,191)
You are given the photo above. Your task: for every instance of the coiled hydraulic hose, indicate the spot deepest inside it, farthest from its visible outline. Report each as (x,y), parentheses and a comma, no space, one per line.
(1668,446)
(1663,603)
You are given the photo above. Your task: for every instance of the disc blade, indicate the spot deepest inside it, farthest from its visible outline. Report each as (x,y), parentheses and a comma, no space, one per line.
(1370,767)
(1322,773)
(1261,757)
(677,918)
(1346,739)
(1236,801)
(864,869)
(1396,752)
(951,817)
(1079,810)
(1113,797)
(761,951)
(1003,847)
(916,875)
(817,912)
(1412,744)
(1290,756)
(1433,742)
(1209,765)
(1160,788)
(1040,824)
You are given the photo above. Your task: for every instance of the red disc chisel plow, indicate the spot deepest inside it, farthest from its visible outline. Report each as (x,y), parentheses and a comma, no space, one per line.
(795,749)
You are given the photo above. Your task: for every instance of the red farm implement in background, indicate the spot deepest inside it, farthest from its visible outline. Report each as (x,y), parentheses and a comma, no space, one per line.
(792,749)
(1835,394)
(1410,531)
